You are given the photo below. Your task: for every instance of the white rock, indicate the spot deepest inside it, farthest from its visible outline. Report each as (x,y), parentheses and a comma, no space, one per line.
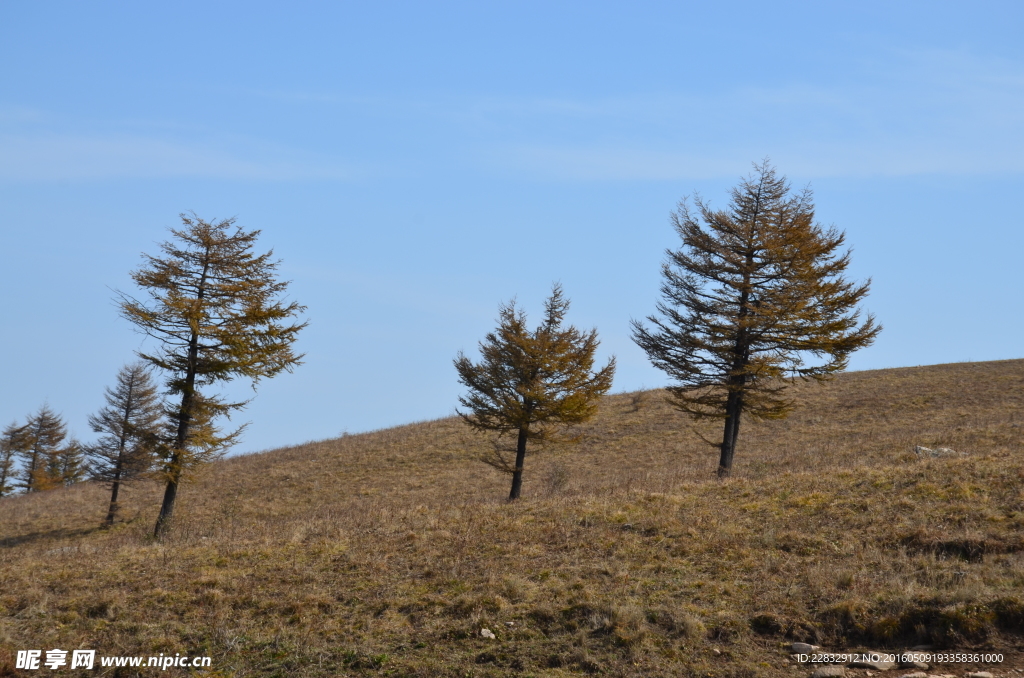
(979,674)
(830,671)
(487,633)
(916,674)
(877,665)
(803,648)
(923,451)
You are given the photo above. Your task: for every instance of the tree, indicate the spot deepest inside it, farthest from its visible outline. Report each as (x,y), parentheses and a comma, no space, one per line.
(528,383)
(130,430)
(67,466)
(755,294)
(215,309)
(39,445)
(10,443)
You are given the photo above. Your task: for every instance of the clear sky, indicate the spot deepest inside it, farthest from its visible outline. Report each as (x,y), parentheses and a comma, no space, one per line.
(414,164)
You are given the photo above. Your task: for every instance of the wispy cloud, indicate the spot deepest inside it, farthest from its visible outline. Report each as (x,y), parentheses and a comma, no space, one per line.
(901,112)
(923,112)
(35,157)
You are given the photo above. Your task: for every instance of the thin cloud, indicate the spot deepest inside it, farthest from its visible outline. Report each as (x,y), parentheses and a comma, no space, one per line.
(78,157)
(927,112)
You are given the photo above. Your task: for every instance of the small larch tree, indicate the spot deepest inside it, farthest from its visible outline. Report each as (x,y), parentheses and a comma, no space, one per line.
(216,310)
(68,466)
(755,298)
(130,428)
(10,444)
(530,383)
(39,444)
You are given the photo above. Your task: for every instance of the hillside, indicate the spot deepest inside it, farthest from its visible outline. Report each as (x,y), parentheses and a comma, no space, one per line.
(386,553)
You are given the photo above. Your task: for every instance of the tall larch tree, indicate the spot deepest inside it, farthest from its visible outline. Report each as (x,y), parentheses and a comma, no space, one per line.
(216,311)
(755,298)
(40,444)
(130,428)
(531,383)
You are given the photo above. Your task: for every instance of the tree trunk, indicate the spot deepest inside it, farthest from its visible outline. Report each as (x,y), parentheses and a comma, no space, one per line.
(170,492)
(177,459)
(733,410)
(517,475)
(184,422)
(740,359)
(121,443)
(180,441)
(113,495)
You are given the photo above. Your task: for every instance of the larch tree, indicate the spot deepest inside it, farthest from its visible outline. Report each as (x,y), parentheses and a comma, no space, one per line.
(130,428)
(755,298)
(39,446)
(530,383)
(10,444)
(216,311)
(68,466)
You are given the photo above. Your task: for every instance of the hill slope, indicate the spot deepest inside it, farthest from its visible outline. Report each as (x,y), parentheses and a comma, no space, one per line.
(387,552)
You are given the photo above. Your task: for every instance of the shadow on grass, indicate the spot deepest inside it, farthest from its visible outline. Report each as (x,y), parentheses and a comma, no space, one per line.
(62,533)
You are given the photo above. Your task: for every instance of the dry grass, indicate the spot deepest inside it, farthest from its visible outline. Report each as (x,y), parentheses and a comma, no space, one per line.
(386,553)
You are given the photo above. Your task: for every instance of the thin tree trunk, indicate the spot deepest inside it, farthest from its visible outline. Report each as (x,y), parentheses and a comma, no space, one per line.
(177,458)
(121,443)
(5,470)
(741,350)
(112,511)
(170,492)
(733,411)
(30,483)
(517,475)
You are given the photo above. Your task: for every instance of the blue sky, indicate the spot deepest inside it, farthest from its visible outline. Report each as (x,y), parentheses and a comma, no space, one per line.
(416,164)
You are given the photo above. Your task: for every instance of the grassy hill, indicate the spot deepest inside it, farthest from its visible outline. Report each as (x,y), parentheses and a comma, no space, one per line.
(386,553)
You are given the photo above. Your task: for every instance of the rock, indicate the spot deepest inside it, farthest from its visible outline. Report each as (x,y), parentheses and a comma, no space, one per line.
(715,651)
(917,674)
(829,658)
(510,624)
(830,671)
(803,648)
(979,674)
(915,665)
(922,451)
(487,633)
(876,664)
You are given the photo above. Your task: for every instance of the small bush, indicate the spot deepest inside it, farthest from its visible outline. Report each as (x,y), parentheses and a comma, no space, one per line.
(766,624)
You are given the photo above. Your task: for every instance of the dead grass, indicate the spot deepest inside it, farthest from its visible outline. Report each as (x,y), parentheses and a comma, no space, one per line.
(387,553)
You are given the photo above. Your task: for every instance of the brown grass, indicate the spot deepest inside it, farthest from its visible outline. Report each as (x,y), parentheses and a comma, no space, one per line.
(386,553)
